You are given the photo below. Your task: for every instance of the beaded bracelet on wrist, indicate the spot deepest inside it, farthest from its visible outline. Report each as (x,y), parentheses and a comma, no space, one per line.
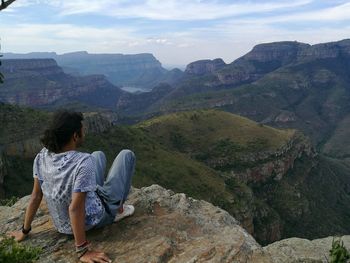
(26,231)
(85,243)
(82,248)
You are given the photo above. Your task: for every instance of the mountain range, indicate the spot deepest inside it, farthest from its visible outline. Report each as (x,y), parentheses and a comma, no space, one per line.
(131,72)
(284,84)
(279,163)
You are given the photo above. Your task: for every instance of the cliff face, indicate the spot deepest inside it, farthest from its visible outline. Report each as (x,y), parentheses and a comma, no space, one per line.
(167,227)
(261,60)
(281,52)
(203,67)
(37,82)
(267,165)
(266,170)
(140,70)
(25,67)
(326,50)
(265,60)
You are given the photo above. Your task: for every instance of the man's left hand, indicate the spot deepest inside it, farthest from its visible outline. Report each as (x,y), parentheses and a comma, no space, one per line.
(18,235)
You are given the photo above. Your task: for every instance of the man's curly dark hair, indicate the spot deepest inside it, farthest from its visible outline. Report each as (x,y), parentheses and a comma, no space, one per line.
(64,124)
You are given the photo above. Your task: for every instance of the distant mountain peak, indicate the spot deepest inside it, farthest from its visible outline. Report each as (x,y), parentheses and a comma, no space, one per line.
(203,67)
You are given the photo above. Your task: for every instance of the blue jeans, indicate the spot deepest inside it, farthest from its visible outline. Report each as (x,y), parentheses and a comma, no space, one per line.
(115,189)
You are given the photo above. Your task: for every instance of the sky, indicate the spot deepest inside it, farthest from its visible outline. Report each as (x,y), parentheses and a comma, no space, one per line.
(176,32)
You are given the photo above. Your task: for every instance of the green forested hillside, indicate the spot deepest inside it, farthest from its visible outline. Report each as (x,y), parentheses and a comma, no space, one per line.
(177,152)
(311,96)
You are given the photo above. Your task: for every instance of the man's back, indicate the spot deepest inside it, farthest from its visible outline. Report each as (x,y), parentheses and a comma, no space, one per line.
(67,180)
(62,174)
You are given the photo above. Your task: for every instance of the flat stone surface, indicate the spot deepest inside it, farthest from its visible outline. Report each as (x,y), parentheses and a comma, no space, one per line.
(166,227)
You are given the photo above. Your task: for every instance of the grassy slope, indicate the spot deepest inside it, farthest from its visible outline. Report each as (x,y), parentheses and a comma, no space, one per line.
(204,127)
(219,139)
(156,164)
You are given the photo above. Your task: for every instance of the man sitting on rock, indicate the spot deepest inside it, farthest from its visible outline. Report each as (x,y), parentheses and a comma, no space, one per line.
(73,185)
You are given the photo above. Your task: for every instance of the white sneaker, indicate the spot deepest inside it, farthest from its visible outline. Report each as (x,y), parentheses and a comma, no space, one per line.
(128,210)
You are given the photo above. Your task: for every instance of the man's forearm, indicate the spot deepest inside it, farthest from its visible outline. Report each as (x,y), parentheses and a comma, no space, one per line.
(77,219)
(32,208)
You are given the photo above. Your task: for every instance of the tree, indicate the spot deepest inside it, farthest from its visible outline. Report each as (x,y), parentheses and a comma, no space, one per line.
(5,4)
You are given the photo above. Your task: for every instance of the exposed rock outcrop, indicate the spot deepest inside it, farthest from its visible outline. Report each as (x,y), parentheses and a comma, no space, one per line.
(203,67)
(295,250)
(95,122)
(268,165)
(166,227)
(280,52)
(256,64)
(264,58)
(24,68)
(37,82)
(138,70)
(326,50)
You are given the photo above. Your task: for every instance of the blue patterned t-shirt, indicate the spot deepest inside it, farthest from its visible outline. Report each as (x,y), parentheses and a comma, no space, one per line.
(62,174)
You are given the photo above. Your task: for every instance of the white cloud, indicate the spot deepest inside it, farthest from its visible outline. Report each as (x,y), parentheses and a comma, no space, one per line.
(185,10)
(63,38)
(227,38)
(337,13)
(160,41)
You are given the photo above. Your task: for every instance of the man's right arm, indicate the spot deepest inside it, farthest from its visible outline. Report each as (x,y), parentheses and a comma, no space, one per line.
(77,219)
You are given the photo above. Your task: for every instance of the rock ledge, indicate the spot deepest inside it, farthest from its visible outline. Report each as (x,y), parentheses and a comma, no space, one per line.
(167,227)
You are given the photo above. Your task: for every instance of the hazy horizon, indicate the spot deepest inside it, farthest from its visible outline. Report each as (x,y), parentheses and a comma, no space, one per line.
(181,66)
(175,32)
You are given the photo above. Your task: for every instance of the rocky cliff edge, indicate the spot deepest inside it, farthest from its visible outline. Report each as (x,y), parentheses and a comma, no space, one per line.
(166,227)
